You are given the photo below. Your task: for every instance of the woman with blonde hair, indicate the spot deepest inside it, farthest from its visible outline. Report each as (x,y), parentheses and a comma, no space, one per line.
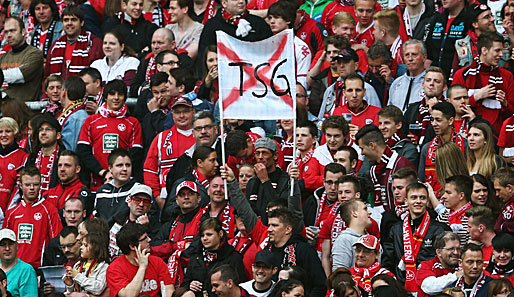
(12,159)
(450,162)
(481,156)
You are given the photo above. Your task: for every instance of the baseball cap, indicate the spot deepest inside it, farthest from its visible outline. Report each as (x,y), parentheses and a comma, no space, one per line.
(265,142)
(181,101)
(7,234)
(265,257)
(346,54)
(477,9)
(369,241)
(188,184)
(50,120)
(141,189)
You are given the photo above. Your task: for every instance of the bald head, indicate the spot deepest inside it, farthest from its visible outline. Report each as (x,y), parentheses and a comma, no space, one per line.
(162,39)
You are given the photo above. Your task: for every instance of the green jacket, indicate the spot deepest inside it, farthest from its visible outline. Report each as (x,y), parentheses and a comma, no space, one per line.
(315,10)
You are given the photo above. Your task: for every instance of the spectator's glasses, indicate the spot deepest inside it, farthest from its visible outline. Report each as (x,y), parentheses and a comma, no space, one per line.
(137,201)
(69,245)
(144,238)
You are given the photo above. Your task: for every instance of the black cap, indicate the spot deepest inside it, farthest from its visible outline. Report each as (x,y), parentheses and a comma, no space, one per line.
(477,9)
(50,120)
(181,101)
(346,54)
(265,257)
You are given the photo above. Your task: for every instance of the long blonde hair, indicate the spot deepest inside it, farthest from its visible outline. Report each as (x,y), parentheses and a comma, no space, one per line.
(449,162)
(487,161)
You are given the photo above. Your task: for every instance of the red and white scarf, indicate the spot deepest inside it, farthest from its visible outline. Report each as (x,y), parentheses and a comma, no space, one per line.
(200,178)
(175,267)
(406,19)
(209,256)
(210,11)
(79,57)
(243,26)
(455,217)
(46,173)
(476,287)
(68,111)
(241,243)
(226,216)
(362,276)
(105,112)
(305,158)
(376,172)
(472,75)
(411,246)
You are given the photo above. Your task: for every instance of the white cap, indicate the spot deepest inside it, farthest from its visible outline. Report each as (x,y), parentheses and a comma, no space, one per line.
(141,188)
(7,233)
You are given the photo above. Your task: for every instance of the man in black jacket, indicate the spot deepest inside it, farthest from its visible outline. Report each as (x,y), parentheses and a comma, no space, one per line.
(131,23)
(270,182)
(233,19)
(411,241)
(293,250)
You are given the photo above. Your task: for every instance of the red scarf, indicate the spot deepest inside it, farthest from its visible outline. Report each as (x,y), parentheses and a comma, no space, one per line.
(226,216)
(175,265)
(200,178)
(105,112)
(456,216)
(241,243)
(233,19)
(46,173)
(393,140)
(68,111)
(430,176)
(210,11)
(476,287)
(411,246)
(305,158)
(151,68)
(376,172)
(472,75)
(362,276)
(79,56)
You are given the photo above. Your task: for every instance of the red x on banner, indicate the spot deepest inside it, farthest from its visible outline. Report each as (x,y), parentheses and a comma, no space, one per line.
(257,79)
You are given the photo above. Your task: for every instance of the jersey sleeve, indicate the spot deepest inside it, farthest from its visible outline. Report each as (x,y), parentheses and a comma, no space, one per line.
(136,134)
(151,168)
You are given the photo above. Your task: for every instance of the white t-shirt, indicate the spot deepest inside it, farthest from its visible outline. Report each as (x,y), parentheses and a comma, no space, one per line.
(248,286)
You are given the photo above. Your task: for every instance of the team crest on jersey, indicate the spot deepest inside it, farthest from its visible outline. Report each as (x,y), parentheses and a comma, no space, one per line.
(122,127)
(83,193)
(325,33)
(11,166)
(365,42)
(25,232)
(38,216)
(0,177)
(369,121)
(303,35)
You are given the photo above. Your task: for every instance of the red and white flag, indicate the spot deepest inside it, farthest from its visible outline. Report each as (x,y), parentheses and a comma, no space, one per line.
(257,79)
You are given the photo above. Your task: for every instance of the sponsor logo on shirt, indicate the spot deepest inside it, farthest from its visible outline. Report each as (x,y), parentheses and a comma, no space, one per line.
(101,126)
(148,285)
(110,142)
(25,232)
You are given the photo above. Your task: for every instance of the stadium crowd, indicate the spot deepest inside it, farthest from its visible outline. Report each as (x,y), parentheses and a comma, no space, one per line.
(395,179)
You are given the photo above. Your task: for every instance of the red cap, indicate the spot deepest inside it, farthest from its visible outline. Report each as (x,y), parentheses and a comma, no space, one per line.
(188,184)
(369,241)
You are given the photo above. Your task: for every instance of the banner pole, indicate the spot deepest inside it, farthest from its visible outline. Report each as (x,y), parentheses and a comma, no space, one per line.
(222,133)
(294,149)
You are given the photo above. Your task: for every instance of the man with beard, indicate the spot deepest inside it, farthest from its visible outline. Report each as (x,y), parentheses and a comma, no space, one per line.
(46,150)
(68,169)
(270,182)
(263,270)
(436,274)
(76,49)
(219,208)
(139,203)
(473,282)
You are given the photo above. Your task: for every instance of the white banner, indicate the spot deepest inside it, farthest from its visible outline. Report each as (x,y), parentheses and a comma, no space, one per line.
(257,79)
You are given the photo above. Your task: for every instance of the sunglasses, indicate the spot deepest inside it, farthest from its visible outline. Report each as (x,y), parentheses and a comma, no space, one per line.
(138,201)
